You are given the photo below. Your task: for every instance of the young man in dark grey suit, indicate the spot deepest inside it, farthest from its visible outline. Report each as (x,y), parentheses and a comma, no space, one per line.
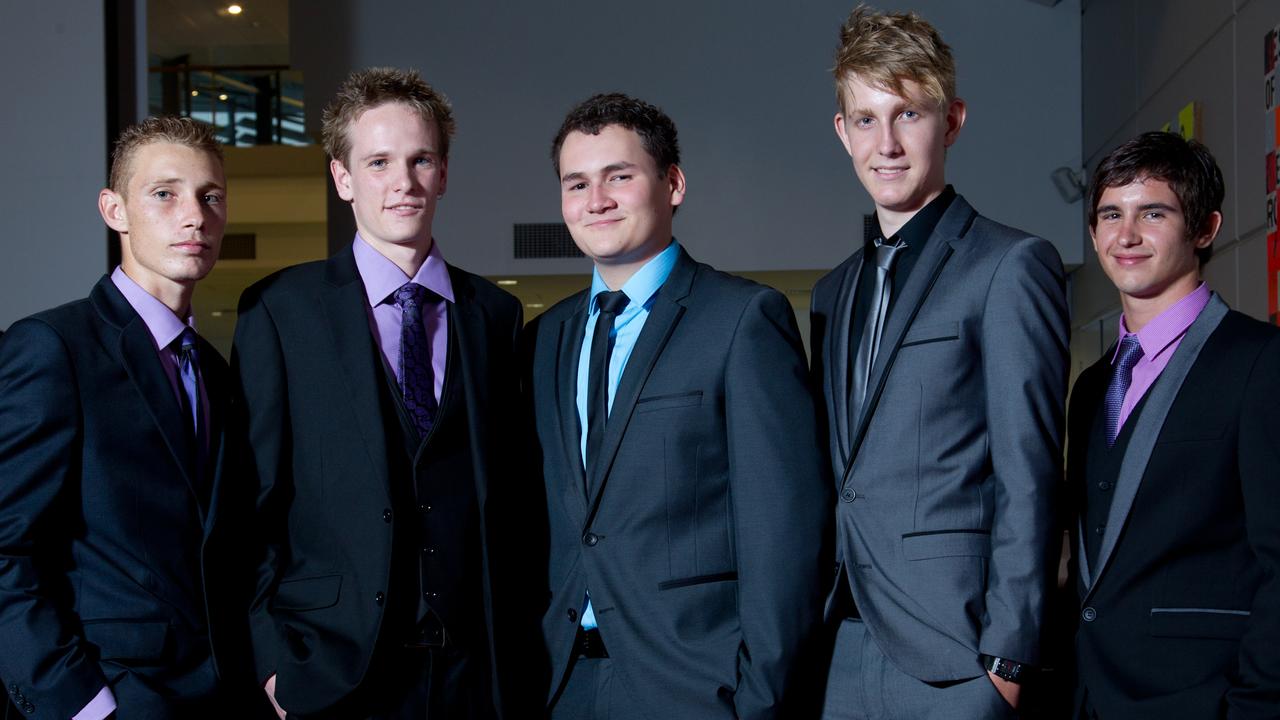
(687,498)
(378,389)
(1173,461)
(119,588)
(940,348)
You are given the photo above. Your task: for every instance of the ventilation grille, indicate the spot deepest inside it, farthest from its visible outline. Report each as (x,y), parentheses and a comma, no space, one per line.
(544,240)
(239,246)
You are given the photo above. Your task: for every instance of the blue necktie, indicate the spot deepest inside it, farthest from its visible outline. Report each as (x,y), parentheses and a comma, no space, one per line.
(417,381)
(192,407)
(1121,375)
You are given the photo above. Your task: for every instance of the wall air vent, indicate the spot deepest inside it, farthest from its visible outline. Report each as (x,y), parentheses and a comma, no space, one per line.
(239,246)
(543,240)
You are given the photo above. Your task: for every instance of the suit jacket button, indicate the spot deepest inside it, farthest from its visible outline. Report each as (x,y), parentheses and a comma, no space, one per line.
(573,615)
(29,708)
(848,494)
(1100,529)
(379,598)
(1089,614)
(386,515)
(590,539)
(1104,486)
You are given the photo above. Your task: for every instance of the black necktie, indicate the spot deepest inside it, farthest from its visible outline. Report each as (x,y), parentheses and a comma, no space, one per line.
(610,304)
(872,329)
(417,381)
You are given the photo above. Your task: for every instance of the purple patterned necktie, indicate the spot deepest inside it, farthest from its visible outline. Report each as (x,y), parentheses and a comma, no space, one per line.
(417,380)
(189,397)
(1121,375)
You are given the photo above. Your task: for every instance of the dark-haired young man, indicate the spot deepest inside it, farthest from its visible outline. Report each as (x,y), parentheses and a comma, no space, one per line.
(687,500)
(377,388)
(1173,461)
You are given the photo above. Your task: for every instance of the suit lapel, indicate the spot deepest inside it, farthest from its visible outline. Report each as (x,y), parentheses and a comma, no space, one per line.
(663,317)
(1145,433)
(343,299)
(568,354)
(467,326)
(213,373)
(838,351)
(142,362)
(950,230)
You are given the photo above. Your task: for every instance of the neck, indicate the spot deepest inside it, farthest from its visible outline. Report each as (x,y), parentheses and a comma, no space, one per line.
(615,275)
(408,257)
(175,295)
(891,221)
(1138,312)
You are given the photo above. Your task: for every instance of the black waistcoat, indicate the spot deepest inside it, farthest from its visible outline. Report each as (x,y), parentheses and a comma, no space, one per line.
(1102,468)
(436,552)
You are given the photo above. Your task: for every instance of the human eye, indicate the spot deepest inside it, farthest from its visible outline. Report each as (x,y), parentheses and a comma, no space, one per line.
(620,177)
(1108,215)
(910,114)
(1153,215)
(425,161)
(212,199)
(377,163)
(863,122)
(162,194)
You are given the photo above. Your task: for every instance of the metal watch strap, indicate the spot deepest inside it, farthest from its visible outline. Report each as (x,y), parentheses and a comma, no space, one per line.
(1006,669)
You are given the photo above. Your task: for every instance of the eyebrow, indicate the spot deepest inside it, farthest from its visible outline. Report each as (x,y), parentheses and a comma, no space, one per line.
(1145,206)
(382,152)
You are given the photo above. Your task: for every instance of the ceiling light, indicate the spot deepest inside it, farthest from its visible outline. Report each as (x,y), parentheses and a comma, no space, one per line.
(234,9)
(194,93)
(223,97)
(534,305)
(508,282)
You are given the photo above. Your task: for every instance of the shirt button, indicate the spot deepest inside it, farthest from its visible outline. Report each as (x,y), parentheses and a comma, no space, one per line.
(1100,529)
(590,539)
(430,595)
(379,598)
(428,551)
(386,515)
(572,615)
(1104,486)
(424,509)
(848,494)
(1088,614)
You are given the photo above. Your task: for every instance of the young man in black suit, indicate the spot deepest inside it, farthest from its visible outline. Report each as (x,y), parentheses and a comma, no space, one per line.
(687,499)
(1173,461)
(119,593)
(376,389)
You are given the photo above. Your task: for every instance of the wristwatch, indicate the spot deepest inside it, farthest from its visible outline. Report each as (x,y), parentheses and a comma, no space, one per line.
(1012,671)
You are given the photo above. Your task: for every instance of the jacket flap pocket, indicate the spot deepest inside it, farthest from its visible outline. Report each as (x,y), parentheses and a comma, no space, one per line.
(662,402)
(311,593)
(127,639)
(1211,623)
(936,332)
(728,576)
(946,543)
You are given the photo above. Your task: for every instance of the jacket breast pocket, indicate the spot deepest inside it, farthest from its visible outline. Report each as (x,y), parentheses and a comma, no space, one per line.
(128,640)
(664,402)
(1205,623)
(932,333)
(309,593)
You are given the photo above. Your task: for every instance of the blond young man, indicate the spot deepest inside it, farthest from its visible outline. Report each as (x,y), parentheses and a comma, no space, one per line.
(940,348)
(376,388)
(118,596)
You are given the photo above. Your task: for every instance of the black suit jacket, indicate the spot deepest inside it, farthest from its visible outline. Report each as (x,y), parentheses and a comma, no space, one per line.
(309,374)
(703,539)
(112,570)
(1181,616)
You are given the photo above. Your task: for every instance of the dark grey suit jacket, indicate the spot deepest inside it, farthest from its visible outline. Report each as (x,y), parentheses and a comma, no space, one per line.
(1179,617)
(702,539)
(946,482)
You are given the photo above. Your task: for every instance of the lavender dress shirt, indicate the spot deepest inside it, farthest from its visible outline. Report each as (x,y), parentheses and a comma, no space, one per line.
(1159,339)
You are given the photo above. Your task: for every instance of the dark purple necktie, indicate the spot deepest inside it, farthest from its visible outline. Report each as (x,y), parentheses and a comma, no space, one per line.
(189,398)
(1121,375)
(417,380)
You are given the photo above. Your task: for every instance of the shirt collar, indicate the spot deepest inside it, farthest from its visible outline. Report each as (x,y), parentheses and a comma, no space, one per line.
(382,277)
(921,225)
(1156,336)
(646,281)
(164,326)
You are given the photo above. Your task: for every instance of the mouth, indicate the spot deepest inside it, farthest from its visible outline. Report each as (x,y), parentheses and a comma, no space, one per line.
(192,247)
(1129,260)
(605,223)
(404,208)
(889,173)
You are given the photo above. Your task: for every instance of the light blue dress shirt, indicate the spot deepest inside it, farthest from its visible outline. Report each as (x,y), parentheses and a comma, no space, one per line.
(640,291)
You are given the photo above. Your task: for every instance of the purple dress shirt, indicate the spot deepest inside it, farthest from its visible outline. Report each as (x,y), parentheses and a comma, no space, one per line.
(1159,339)
(164,327)
(381,279)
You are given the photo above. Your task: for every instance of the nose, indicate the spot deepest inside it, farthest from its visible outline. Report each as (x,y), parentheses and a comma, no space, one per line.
(599,200)
(193,210)
(405,179)
(887,141)
(1127,233)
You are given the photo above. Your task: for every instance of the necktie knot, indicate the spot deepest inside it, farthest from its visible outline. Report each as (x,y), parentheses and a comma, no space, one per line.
(886,254)
(185,344)
(411,295)
(612,302)
(1129,355)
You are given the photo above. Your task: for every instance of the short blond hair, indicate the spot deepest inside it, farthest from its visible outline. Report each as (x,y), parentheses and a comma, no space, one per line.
(161,128)
(366,89)
(886,50)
